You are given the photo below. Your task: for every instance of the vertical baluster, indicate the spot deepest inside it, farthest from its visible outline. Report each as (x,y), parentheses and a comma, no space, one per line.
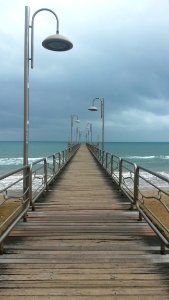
(120,172)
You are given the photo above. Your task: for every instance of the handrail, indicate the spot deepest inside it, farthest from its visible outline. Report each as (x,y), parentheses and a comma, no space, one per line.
(32,180)
(131,180)
(44,174)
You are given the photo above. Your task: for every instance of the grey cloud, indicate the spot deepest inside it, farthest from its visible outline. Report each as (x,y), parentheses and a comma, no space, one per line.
(120,52)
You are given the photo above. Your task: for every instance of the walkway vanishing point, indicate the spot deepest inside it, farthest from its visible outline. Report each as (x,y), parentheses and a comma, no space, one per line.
(83,242)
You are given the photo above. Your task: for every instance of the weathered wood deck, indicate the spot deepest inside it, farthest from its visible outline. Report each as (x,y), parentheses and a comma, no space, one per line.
(83,242)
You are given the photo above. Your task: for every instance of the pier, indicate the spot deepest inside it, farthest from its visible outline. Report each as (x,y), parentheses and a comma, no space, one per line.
(82,240)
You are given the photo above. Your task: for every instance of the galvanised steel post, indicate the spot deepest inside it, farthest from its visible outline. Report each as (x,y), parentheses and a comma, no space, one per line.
(120,172)
(54,42)
(91,131)
(59,160)
(26,85)
(72,119)
(102,116)
(46,173)
(94,108)
(136,184)
(107,159)
(111,165)
(54,164)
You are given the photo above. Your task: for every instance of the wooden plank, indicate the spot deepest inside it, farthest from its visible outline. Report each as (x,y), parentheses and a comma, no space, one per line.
(85,291)
(79,297)
(83,242)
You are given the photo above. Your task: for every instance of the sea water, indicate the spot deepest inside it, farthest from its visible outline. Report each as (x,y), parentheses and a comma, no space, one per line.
(11,153)
(152,156)
(11,158)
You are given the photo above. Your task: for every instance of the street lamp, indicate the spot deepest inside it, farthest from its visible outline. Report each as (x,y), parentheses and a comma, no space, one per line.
(77,134)
(80,134)
(94,108)
(87,134)
(72,119)
(54,42)
(90,128)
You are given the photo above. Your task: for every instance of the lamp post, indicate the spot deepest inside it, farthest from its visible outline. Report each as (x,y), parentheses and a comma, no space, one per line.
(77,134)
(72,119)
(54,42)
(91,131)
(80,134)
(94,108)
(87,134)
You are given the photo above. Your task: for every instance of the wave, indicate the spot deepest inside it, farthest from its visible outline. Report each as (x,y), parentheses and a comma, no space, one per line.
(37,182)
(6,161)
(148,157)
(16,161)
(16,183)
(146,179)
(141,157)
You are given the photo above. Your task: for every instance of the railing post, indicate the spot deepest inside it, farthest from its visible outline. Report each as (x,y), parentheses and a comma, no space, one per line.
(54,164)
(97,153)
(102,158)
(106,160)
(111,165)
(30,188)
(59,160)
(120,172)
(63,155)
(46,173)
(25,187)
(100,155)
(136,184)
(69,154)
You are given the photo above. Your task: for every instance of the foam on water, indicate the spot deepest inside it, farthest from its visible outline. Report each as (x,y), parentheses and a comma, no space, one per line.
(7,161)
(148,157)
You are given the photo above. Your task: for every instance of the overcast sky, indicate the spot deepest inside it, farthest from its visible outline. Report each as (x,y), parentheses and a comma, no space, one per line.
(120,52)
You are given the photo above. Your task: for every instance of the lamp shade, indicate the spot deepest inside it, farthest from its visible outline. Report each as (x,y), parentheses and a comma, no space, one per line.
(57,42)
(92,108)
(77,121)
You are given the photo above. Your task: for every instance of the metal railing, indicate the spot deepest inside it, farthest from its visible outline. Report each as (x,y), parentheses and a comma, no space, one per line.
(146,190)
(20,189)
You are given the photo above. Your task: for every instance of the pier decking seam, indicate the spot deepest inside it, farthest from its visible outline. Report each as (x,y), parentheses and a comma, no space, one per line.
(83,242)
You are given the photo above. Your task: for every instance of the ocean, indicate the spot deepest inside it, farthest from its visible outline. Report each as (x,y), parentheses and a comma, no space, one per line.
(11,153)
(153,156)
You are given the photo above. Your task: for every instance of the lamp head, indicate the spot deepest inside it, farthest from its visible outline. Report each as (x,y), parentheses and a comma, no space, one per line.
(77,121)
(92,108)
(57,42)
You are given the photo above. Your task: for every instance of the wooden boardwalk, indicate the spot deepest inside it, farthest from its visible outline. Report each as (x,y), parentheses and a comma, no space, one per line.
(83,242)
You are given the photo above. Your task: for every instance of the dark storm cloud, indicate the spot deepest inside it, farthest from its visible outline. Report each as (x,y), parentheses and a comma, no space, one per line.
(121,52)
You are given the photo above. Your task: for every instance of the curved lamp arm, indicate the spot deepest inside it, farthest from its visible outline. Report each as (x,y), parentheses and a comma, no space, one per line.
(72,119)
(32,30)
(101,103)
(93,108)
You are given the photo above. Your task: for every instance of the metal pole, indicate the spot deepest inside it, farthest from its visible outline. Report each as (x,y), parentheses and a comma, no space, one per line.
(80,133)
(91,132)
(77,129)
(26,85)
(32,30)
(102,116)
(71,125)
(71,128)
